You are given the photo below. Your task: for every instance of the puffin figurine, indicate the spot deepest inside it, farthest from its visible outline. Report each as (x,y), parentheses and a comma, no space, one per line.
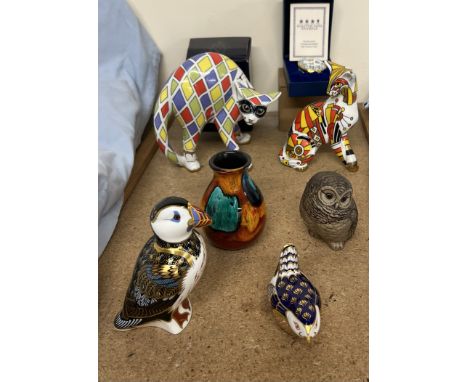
(167,269)
(295,301)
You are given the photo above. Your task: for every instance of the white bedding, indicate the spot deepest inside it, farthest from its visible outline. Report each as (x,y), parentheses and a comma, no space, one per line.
(128,70)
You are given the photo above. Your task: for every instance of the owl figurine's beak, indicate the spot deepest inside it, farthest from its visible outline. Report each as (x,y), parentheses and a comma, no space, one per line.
(199,218)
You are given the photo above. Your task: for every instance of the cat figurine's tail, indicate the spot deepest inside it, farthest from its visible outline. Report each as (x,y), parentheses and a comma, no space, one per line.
(162,114)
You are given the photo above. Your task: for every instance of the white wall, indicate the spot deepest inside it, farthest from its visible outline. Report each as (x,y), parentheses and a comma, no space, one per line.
(172,23)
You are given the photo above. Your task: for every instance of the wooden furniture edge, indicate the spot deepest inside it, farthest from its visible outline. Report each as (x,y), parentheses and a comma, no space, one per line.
(364,117)
(143,155)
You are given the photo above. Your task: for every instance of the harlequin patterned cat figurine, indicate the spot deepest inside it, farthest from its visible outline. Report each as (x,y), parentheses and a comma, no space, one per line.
(208,87)
(325,122)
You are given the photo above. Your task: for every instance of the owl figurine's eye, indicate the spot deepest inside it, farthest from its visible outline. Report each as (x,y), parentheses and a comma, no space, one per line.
(345,200)
(328,196)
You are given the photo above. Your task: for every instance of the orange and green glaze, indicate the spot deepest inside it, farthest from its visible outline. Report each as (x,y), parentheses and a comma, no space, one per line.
(241,219)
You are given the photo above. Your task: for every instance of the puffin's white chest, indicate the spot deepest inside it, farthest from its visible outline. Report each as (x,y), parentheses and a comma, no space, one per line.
(194,273)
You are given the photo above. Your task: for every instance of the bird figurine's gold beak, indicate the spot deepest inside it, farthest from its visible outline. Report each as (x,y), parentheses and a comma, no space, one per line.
(308,329)
(199,218)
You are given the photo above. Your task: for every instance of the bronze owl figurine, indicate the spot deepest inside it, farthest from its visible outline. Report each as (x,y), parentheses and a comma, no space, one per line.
(328,208)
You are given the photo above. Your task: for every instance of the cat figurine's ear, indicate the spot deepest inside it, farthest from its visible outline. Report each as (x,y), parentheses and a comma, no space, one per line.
(350,77)
(239,83)
(273,95)
(349,90)
(243,89)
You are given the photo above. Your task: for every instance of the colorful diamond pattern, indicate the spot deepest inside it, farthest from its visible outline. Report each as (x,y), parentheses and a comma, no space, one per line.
(217,58)
(211,79)
(258,98)
(218,105)
(195,106)
(192,128)
(255,101)
(188,64)
(187,89)
(227,96)
(222,116)
(235,112)
(165,109)
(179,73)
(201,120)
(200,87)
(205,64)
(221,69)
(179,100)
(225,83)
(174,85)
(186,115)
(205,100)
(163,95)
(215,93)
(157,121)
(194,75)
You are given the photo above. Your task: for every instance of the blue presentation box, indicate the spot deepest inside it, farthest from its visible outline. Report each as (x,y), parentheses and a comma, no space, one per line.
(299,83)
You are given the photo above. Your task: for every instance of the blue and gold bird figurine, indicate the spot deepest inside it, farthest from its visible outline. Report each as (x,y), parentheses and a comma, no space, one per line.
(167,269)
(295,301)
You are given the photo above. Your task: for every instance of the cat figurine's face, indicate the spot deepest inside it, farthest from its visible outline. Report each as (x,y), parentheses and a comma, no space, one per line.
(252,104)
(345,85)
(251,112)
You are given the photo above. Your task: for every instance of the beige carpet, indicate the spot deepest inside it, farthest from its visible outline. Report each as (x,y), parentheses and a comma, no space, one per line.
(233,335)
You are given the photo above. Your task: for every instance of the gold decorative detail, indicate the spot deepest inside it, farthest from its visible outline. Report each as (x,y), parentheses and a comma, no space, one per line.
(297,290)
(168,271)
(289,287)
(177,251)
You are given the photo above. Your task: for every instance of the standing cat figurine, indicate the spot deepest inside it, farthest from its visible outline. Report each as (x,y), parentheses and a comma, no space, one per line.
(208,87)
(325,122)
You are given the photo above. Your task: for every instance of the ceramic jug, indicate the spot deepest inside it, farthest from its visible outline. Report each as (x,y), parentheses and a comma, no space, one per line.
(233,201)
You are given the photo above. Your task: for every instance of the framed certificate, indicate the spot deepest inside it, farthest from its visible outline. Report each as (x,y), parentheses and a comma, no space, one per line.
(309,31)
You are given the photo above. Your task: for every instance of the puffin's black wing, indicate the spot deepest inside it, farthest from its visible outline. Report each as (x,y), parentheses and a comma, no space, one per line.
(156,284)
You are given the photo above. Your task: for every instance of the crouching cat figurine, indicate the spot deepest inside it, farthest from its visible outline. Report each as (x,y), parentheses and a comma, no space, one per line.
(208,87)
(325,122)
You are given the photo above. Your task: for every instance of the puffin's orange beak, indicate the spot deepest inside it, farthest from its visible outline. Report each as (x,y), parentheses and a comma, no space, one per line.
(199,218)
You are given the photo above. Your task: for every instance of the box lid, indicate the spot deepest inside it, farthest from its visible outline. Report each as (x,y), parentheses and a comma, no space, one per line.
(236,48)
(287,18)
